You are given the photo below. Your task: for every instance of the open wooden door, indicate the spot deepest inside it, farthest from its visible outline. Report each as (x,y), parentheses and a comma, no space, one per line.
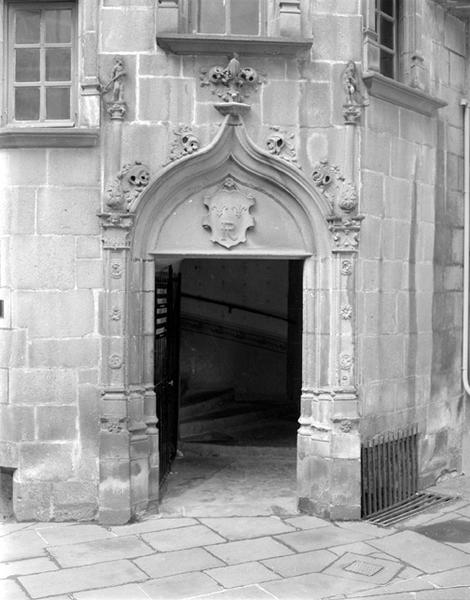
(167,313)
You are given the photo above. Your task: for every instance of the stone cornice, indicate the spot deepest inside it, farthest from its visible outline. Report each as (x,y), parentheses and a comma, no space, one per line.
(183,43)
(459,8)
(400,94)
(48,137)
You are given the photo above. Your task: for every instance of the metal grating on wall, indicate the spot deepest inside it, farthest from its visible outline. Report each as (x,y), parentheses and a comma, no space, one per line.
(389,470)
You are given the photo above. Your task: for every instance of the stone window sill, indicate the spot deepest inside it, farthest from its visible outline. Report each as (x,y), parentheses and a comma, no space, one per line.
(403,95)
(48,137)
(182,43)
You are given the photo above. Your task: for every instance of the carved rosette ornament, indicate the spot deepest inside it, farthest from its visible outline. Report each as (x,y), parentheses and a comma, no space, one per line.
(185,143)
(228,217)
(114,424)
(354,101)
(231,83)
(279,143)
(128,185)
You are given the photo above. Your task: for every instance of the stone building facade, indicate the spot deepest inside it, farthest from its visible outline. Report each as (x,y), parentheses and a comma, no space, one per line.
(320,133)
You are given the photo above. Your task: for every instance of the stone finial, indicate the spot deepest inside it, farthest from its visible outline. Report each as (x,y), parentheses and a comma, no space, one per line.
(127,186)
(117,107)
(354,100)
(185,142)
(231,83)
(279,143)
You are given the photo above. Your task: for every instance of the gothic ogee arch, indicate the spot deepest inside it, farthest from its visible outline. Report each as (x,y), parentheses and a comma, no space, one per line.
(232,199)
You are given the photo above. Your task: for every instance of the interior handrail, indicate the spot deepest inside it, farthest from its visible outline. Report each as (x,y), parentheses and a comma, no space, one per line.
(233,305)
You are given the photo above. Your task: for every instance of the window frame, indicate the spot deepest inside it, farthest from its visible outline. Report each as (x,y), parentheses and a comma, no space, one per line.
(394,19)
(12,7)
(194,13)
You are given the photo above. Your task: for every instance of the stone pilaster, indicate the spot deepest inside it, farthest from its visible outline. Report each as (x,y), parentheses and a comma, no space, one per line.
(115,435)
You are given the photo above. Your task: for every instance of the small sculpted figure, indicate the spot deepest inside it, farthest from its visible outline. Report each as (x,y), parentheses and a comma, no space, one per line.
(118,73)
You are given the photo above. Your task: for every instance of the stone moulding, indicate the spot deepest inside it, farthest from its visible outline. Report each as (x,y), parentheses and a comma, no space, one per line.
(183,43)
(45,137)
(403,95)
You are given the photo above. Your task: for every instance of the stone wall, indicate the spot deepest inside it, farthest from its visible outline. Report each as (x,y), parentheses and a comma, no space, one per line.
(410,299)
(408,314)
(53,271)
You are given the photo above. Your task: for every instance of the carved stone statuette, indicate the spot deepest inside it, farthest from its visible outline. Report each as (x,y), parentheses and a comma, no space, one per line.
(280,144)
(231,83)
(354,101)
(127,186)
(117,108)
(228,216)
(184,143)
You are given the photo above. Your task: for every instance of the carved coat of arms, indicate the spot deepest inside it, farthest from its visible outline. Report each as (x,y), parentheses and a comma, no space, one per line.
(228,216)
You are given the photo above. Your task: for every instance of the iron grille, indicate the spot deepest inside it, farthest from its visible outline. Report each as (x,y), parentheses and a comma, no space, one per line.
(389,469)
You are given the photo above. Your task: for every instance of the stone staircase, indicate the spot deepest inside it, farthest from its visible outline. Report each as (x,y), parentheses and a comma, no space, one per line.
(214,416)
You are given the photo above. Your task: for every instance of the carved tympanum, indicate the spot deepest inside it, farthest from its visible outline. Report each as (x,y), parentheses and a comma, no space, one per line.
(228,216)
(127,186)
(231,83)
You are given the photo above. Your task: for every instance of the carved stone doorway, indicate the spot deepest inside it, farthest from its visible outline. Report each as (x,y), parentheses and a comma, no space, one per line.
(240,383)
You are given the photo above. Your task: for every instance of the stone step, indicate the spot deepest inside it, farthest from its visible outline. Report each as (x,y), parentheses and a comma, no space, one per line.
(203,402)
(277,453)
(221,421)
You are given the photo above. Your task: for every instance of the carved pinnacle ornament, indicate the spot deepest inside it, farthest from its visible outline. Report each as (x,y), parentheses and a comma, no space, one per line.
(231,83)
(341,194)
(344,222)
(185,142)
(129,183)
(279,144)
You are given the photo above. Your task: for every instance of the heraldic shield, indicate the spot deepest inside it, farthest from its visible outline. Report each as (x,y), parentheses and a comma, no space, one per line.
(229,214)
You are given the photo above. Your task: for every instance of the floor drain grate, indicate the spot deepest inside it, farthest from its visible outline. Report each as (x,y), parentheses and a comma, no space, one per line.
(418,503)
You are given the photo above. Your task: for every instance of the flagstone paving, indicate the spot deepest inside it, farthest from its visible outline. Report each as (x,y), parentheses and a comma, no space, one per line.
(241,557)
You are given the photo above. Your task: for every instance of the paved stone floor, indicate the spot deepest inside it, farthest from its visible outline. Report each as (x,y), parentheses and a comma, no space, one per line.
(240,555)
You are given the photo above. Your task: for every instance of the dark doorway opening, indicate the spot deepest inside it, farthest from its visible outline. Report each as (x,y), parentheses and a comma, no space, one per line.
(237,326)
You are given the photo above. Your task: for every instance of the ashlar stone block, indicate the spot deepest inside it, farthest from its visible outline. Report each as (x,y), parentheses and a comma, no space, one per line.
(56,422)
(117,23)
(42,386)
(42,262)
(71,353)
(46,461)
(55,314)
(68,211)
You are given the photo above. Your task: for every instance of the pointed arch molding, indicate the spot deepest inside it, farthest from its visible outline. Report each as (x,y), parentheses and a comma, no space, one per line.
(285,215)
(290,214)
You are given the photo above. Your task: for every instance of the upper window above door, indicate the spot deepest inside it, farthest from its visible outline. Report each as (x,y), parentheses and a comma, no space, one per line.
(230,17)
(273,27)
